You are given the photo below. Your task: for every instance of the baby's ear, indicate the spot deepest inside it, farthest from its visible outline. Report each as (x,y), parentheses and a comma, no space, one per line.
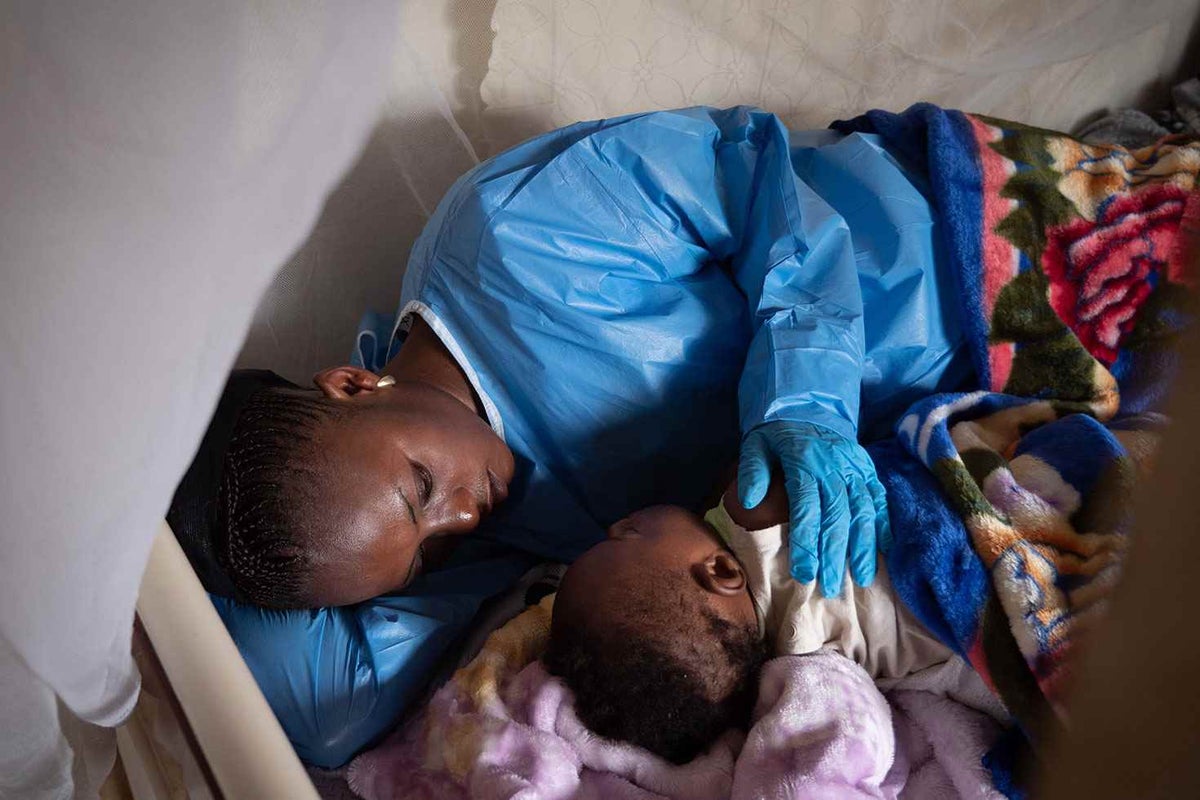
(341,383)
(720,573)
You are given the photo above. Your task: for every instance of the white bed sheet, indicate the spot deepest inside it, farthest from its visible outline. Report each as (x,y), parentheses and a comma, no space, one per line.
(499,71)
(1047,62)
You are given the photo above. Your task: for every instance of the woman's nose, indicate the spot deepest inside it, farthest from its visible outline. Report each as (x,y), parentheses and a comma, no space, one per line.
(458,514)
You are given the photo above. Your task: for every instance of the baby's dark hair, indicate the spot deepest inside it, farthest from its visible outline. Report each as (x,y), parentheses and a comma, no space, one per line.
(667,688)
(266,500)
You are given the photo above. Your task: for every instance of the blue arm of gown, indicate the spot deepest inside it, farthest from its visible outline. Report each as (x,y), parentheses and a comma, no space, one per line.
(694,188)
(338,678)
(797,268)
(704,186)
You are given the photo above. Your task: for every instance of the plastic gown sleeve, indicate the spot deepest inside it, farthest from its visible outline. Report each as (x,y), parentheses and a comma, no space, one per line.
(796,266)
(718,186)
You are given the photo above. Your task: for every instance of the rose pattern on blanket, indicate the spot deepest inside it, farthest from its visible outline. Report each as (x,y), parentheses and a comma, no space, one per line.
(1101,283)
(1102,271)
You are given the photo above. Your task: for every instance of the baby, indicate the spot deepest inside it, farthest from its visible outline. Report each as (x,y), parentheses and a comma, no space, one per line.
(660,630)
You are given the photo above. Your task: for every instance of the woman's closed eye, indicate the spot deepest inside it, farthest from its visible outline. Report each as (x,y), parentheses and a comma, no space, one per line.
(424,483)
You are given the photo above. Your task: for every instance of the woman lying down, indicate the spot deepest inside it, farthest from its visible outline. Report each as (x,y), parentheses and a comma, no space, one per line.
(662,633)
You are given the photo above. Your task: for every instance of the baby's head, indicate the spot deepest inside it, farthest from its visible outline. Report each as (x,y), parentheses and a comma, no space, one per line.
(655,633)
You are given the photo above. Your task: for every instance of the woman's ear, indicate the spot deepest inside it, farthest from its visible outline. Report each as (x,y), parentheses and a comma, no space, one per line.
(342,383)
(720,573)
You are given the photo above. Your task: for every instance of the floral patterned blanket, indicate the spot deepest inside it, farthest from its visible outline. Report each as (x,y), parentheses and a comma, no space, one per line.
(1075,272)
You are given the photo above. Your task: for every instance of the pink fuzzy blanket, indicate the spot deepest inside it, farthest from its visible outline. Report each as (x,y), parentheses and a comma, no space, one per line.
(504,728)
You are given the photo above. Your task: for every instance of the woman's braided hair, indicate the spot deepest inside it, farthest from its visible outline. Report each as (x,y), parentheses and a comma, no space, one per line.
(267,496)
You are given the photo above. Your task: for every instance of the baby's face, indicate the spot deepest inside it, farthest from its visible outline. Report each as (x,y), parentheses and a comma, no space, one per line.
(663,530)
(639,551)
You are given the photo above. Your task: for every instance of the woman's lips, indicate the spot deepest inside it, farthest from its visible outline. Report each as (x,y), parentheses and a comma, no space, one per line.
(497,492)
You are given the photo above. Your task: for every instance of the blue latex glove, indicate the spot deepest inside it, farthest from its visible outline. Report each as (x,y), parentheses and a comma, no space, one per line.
(836,504)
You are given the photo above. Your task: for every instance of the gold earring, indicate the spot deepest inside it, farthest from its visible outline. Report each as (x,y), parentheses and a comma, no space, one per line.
(386,380)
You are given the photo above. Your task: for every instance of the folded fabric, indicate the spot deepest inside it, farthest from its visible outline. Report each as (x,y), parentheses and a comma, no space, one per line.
(941,746)
(1132,128)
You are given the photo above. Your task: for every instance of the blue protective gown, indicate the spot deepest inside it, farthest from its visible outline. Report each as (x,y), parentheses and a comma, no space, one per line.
(628,297)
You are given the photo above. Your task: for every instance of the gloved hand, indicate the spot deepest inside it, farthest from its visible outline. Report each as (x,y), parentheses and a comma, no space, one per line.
(836,504)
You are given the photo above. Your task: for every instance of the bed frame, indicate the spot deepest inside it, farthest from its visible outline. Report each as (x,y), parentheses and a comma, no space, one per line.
(179,743)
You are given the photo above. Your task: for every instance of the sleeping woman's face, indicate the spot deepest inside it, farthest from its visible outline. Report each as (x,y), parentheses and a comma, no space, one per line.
(406,471)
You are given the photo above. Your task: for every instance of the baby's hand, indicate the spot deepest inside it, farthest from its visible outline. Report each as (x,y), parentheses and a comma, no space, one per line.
(772,511)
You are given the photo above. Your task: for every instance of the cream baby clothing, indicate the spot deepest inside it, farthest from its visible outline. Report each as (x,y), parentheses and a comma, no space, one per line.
(869,625)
